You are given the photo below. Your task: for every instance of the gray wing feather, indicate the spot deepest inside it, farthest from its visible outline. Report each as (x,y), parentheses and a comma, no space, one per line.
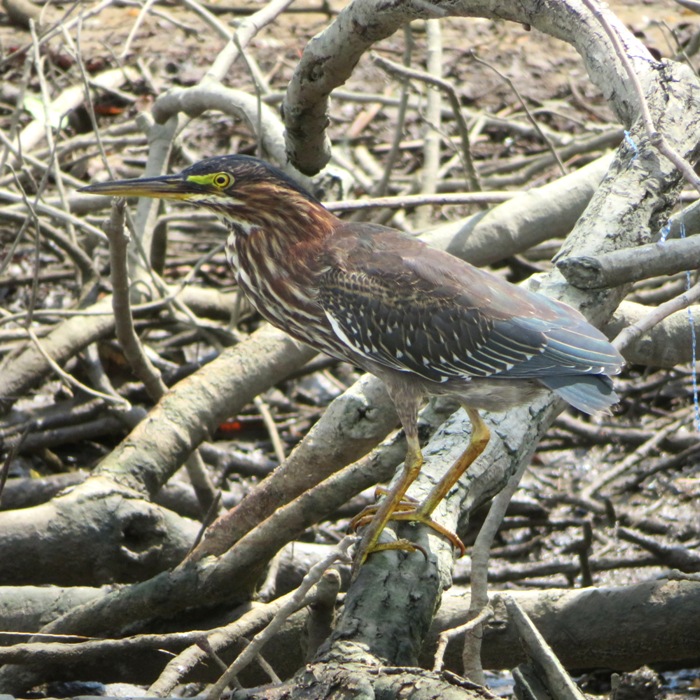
(433,340)
(426,312)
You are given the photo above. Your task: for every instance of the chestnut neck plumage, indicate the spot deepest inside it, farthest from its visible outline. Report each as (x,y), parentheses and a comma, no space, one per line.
(277,254)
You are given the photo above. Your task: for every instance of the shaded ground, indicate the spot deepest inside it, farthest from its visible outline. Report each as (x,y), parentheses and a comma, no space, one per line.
(557,534)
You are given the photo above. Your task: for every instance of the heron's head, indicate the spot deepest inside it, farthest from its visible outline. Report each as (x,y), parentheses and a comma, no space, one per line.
(244,192)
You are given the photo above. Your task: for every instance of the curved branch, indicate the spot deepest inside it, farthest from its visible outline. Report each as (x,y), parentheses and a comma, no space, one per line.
(328,60)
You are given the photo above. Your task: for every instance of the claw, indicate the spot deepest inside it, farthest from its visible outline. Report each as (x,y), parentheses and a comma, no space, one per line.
(365,516)
(404,511)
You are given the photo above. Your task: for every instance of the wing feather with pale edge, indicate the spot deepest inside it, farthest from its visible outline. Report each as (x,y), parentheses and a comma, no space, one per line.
(409,307)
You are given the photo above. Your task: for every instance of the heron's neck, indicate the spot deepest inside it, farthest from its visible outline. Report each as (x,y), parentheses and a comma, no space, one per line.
(281,223)
(283,239)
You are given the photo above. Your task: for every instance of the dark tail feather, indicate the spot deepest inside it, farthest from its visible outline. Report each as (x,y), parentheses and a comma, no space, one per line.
(589,392)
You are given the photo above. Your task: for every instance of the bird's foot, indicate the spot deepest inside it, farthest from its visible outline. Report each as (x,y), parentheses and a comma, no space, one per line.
(364,549)
(416,516)
(405,510)
(401,544)
(365,516)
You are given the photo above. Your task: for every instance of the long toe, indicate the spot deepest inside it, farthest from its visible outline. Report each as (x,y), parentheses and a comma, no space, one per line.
(416,516)
(365,516)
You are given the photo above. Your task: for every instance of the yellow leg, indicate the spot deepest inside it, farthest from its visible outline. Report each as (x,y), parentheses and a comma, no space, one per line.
(396,506)
(479,439)
(393,500)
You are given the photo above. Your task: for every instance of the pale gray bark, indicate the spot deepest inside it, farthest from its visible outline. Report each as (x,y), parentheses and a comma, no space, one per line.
(613,627)
(541,214)
(329,60)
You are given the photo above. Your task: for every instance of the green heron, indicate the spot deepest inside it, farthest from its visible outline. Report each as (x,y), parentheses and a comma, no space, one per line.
(423,321)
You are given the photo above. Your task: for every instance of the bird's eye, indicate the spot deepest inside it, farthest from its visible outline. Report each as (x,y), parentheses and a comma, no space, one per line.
(222,180)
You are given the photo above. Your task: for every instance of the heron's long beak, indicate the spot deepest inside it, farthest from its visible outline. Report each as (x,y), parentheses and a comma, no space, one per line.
(165,187)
